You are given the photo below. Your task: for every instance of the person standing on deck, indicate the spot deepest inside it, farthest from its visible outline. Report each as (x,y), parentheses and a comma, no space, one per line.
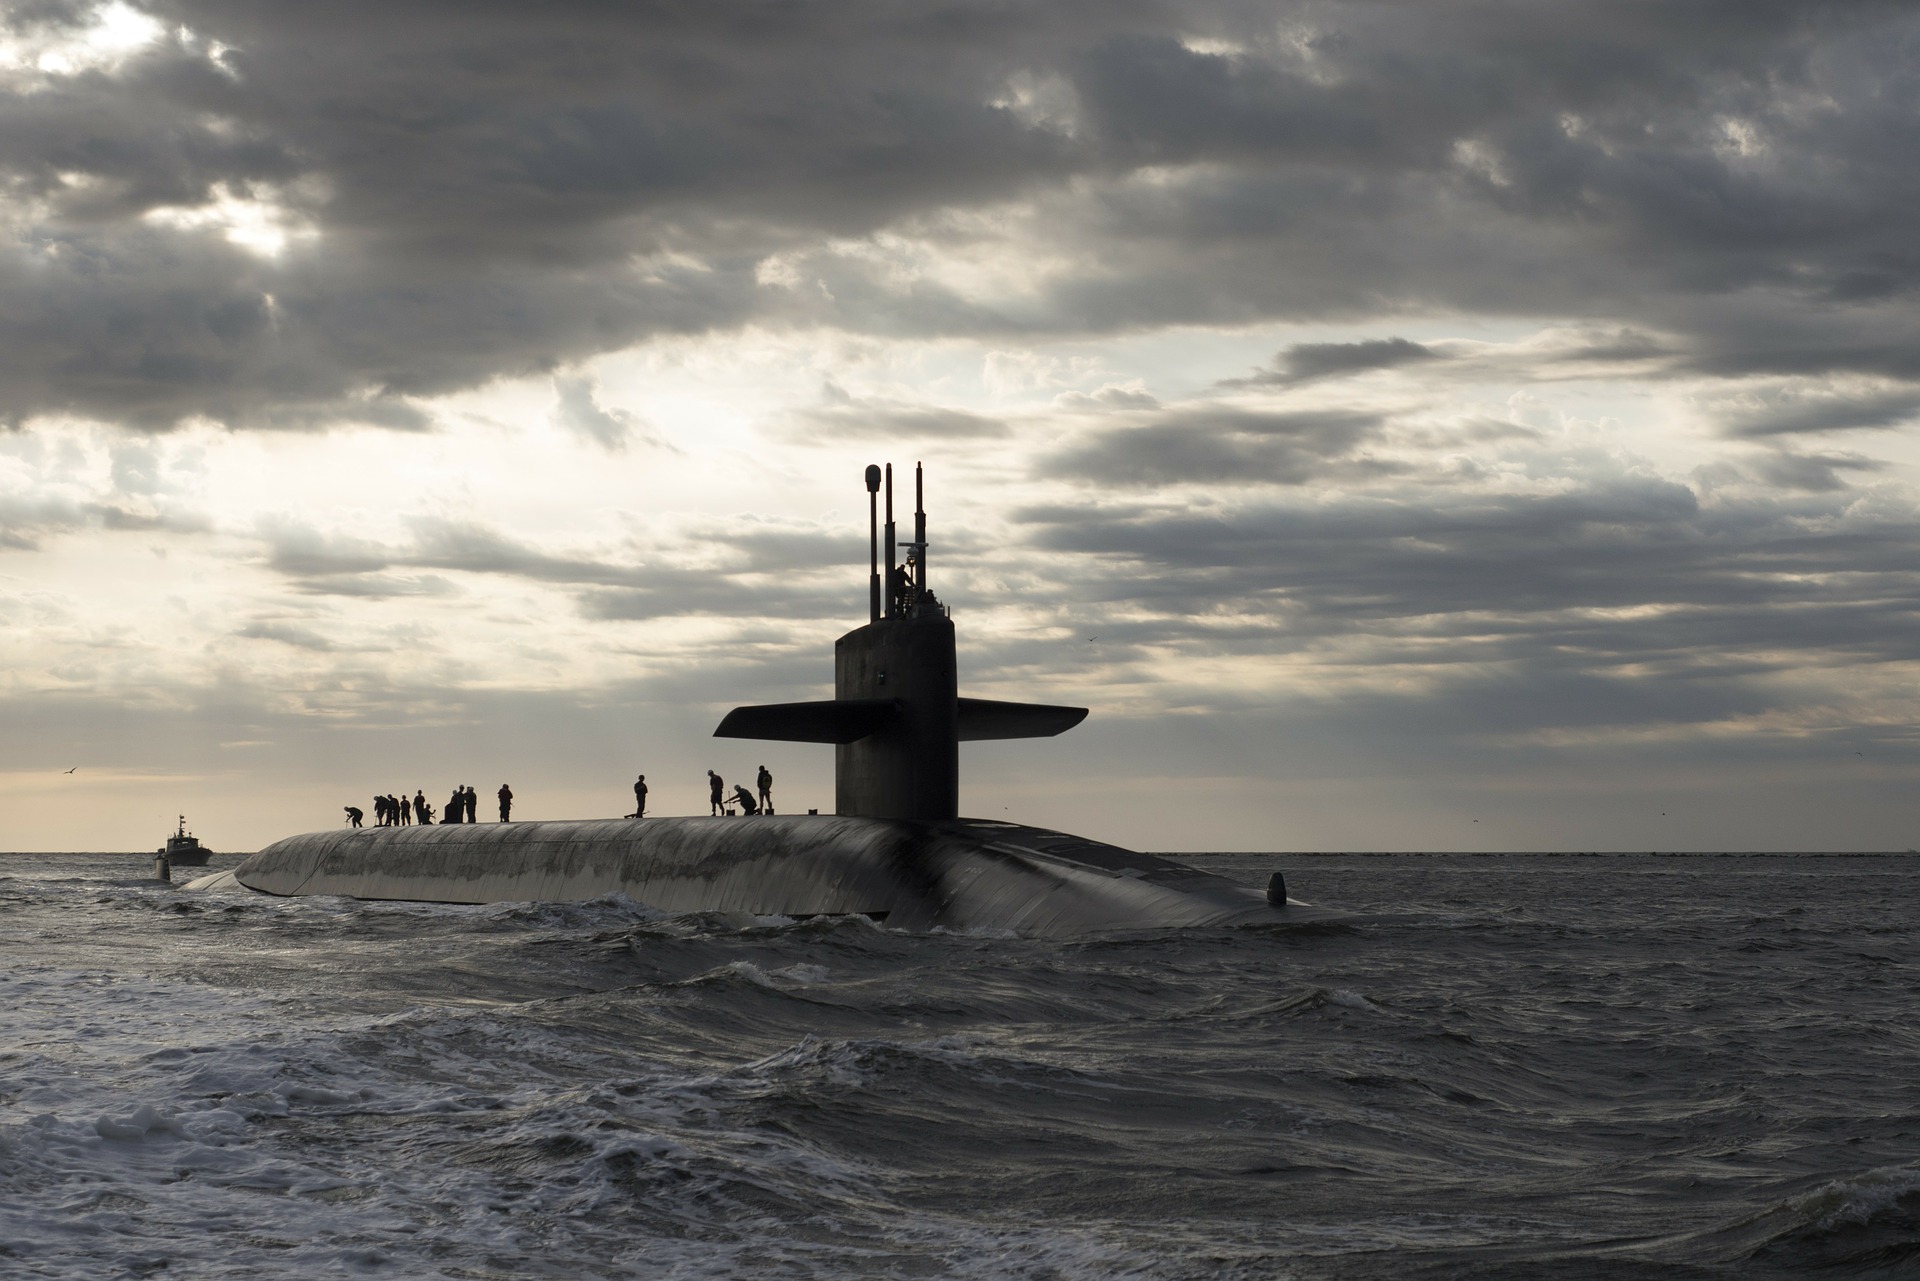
(716,792)
(640,797)
(765,780)
(506,801)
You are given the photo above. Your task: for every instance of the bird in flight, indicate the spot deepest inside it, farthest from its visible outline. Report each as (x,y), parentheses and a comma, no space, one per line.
(70,770)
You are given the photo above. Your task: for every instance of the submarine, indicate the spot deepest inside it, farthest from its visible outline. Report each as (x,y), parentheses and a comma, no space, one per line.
(895,850)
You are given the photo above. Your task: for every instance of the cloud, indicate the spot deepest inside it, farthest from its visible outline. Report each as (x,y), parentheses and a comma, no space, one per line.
(375,586)
(1813,473)
(746,567)
(1108,399)
(1222,446)
(287,634)
(26,520)
(1622,578)
(578,409)
(1308,362)
(1802,409)
(514,191)
(844,416)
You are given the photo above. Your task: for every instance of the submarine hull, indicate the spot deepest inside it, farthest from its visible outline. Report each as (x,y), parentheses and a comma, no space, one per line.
(959,874)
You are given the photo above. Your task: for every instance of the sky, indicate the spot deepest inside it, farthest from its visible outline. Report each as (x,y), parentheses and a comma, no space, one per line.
(1424,425)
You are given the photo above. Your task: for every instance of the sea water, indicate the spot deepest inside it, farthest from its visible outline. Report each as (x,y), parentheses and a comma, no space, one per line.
(1514,1066)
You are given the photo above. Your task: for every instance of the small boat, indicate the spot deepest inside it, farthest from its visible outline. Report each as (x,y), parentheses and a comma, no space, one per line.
(184,849)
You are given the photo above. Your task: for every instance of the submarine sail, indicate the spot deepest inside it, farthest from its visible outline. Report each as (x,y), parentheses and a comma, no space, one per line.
(896,718)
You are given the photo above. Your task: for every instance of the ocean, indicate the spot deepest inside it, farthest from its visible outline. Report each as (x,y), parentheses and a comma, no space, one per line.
(1502,1066)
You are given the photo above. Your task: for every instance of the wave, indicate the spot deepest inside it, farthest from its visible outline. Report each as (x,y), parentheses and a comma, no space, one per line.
(1866,1221)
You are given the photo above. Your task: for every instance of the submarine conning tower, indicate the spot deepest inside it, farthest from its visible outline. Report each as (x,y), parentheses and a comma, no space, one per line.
(897,719)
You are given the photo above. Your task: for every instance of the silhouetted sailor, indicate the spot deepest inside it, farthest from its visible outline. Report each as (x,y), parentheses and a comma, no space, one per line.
(473,804)
(456,806)
(765,782)
(506,801)
(716,793)
(354,814)
(422,812)
(747,803)
(640,797)
(379,811)
(406,813)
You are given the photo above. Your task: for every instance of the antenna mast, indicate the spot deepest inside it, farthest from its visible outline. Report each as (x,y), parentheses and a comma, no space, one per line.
(873,542)
(891,548)
(919,544)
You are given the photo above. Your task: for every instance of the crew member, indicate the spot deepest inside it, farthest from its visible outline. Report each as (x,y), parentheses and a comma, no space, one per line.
(742,795)
(354,814)
(765,780)
(716,792)
(640,797)
(506,801)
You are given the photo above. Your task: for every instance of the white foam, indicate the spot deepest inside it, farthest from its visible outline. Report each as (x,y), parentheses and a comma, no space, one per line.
(1858,1198)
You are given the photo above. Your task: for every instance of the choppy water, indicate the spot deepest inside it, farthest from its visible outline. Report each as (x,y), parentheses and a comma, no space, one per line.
(1576,1067)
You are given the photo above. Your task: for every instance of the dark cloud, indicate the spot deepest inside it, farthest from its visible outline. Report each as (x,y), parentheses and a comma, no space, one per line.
(1306,362)
(1222,446)
(1813,473)
(1628,584)
(474,191)
(1821,410)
